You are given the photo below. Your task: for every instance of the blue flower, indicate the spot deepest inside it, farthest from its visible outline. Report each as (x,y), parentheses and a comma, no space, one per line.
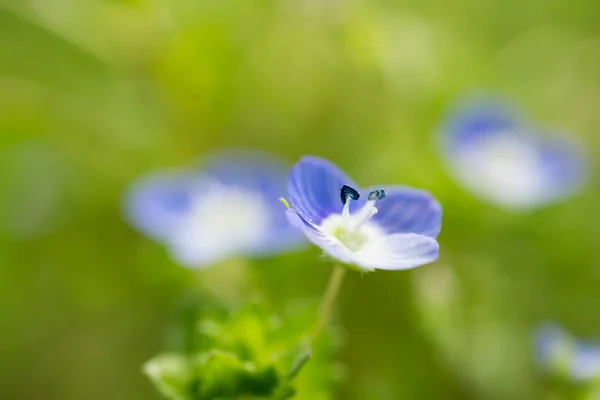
(388,228)
(230,208)
(497,155)
(559,352)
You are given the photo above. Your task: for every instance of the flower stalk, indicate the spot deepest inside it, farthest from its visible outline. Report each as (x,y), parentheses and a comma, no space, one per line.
(329,298)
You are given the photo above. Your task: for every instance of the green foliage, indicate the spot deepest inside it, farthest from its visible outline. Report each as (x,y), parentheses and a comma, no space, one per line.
(247,354)
(172,375)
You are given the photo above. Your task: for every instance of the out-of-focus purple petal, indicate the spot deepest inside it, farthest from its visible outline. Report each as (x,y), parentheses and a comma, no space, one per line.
(230,208)
(559,352)
(494,153)
(564,166)
(586,361)
(250,169)
(548,338)
(314,188)
(159,202)
(259,172)
(399,251)
(408,210)
(294,219)
(474,119)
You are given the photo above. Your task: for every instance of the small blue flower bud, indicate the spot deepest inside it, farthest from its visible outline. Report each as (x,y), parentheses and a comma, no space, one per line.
(348,191)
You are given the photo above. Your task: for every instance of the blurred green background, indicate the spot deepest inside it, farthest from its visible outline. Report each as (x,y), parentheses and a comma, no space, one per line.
(95,93)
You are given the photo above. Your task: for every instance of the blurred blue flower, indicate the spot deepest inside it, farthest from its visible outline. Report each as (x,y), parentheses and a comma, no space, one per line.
(560,353)
(496,154)
(230,208)
(399,233)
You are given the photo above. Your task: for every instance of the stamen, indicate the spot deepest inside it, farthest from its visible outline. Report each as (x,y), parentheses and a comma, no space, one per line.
(369,209)
(365,214)
(378,194)
(346,219)
(285,203)
(348,191)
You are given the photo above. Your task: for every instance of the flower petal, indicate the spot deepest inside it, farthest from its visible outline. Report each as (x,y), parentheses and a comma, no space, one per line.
(249,169)
(158,203)
(263,173)
(547,338)
(229,209)
(398,251)
(330,245)
(586,361)
(500,157)
(408,210)
(314,188)
(193,253)
(564,164)
(474,119)
(558,351)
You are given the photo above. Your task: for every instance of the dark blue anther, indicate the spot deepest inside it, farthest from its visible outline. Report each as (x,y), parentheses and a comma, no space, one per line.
(348,191)
(378,194)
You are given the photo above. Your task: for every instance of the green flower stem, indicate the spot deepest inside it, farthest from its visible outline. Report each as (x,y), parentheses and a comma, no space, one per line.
(329,298)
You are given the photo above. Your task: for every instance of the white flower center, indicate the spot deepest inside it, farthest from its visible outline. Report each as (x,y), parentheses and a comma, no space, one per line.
(223,221)
(354,230)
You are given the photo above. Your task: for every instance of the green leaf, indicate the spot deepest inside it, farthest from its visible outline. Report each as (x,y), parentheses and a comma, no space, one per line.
(172,376)
(224,375)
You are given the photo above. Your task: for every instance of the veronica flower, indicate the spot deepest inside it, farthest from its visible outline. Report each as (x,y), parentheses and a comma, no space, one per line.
(497,155)
(230,208)
(382,227)
(558,351)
